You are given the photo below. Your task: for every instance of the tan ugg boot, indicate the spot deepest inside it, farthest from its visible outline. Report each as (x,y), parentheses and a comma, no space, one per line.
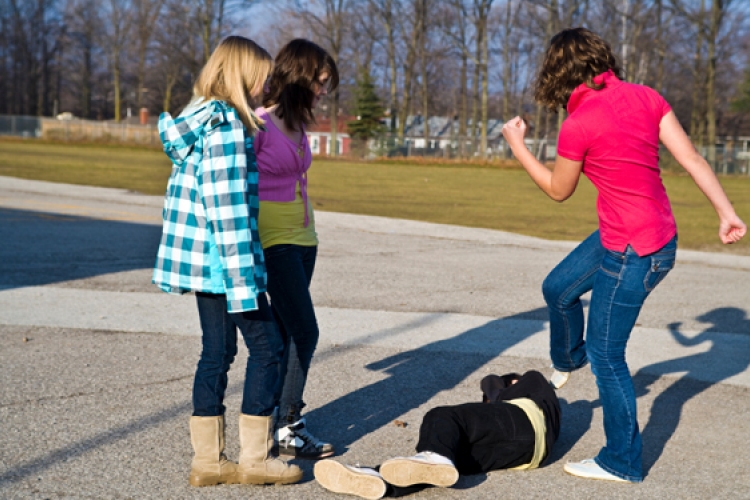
(256,465)
(210,466)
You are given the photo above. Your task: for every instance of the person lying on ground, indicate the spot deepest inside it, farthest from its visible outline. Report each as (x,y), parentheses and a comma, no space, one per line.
(514,427)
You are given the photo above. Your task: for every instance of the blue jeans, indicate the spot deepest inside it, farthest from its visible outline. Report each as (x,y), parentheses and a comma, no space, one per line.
(265,348)
(290,270)
(620,283)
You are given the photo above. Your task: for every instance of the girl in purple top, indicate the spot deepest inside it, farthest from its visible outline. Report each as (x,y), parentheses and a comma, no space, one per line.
(303,73)
(612,136)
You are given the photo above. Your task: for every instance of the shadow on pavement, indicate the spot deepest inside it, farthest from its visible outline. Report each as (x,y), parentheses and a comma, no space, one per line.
(85,446)
(415,376)
(576,421)
(721,362)
(50,248)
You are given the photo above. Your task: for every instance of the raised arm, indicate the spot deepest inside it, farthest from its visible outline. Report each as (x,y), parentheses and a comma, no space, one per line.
(560,183)
(673,136)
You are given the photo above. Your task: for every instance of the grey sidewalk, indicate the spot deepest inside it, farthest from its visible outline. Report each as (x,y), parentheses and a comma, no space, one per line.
(96,364)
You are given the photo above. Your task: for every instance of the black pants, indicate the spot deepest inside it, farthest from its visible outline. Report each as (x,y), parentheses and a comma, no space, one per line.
(479,437)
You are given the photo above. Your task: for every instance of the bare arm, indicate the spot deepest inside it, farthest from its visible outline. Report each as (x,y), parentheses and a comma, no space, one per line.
(560,183)
(672,135)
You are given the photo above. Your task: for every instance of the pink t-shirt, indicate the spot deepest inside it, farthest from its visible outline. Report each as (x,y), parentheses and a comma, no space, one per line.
(281,163)
(615,133)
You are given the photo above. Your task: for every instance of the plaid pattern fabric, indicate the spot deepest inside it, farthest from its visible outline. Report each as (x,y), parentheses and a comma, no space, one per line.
(211,208)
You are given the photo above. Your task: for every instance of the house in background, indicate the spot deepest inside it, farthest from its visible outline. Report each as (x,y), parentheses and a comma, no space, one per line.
(319,136)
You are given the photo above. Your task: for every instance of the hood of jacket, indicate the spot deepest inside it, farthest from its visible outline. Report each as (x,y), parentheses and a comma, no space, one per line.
(179,135)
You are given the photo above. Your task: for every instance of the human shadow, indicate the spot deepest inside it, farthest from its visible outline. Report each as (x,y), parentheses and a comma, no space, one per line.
(726,357)
(413,377)
(575,421)
(40,248)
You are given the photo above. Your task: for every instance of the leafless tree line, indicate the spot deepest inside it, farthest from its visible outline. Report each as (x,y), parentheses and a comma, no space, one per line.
(470,59)
(98,58)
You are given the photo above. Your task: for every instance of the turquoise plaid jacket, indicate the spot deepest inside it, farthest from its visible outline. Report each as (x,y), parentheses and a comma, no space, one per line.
(210,237)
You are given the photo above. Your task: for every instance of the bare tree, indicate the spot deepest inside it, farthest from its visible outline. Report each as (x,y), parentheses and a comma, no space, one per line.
(412,41)
(482,11)
(83,38)
(31,39)
(147,13)
(365,37)
(384,11)
(331,25)
(178,53)
(455,25)
(718,10)
(120,23)
(423,57)
(209,15)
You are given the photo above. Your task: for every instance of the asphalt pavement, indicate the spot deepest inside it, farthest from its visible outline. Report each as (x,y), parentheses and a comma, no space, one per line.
(96,363)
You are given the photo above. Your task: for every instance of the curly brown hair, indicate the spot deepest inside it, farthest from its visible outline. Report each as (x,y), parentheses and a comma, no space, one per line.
(574,56)
(298,66)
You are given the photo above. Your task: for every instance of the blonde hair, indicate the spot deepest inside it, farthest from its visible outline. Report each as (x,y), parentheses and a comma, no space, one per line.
(236,68)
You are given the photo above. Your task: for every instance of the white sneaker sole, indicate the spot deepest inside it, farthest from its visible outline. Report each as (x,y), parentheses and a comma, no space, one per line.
(408,472)
(339,478)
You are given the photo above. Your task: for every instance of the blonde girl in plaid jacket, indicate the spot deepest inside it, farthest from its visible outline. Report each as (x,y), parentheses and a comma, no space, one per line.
(210,246)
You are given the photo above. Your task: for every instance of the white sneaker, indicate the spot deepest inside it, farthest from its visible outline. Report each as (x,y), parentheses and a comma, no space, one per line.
(558,378)
(350,480)
(591,470)
(423,468)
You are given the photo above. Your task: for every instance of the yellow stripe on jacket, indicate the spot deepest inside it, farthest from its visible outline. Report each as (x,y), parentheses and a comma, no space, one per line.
(540,429)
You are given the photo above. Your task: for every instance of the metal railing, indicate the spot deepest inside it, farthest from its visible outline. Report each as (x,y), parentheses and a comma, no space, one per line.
(730,158)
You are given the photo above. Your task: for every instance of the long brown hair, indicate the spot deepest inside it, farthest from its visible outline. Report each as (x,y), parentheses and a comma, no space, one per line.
(236,68)
(297,69)
(574,56)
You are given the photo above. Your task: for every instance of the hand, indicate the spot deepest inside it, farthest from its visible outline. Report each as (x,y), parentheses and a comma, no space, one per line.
(514,131)
(731,230)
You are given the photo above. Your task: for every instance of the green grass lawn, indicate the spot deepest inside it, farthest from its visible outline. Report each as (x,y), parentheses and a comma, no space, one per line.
(496,198)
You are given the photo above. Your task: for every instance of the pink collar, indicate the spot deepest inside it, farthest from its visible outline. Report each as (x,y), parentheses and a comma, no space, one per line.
(583,92)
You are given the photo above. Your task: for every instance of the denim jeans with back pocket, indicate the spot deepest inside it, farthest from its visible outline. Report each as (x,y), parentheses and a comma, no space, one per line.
(620,283)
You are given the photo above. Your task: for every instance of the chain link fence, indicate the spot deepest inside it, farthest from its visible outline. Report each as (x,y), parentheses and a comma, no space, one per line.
(450,148)
(730,158)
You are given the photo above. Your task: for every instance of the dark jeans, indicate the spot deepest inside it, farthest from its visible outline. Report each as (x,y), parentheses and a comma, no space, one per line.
(479,437)
(290,270)
(265,347)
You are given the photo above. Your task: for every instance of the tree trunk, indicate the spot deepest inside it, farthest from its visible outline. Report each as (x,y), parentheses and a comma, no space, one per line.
(696,115)
(116,84)
(659,84)
(411,55)
(485,89)
(425,85)
(475,84)
(386,13)
(149,12)
(717,12)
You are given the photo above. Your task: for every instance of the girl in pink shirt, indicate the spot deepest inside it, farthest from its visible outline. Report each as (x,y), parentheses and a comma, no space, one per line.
(612,136)
(303,73)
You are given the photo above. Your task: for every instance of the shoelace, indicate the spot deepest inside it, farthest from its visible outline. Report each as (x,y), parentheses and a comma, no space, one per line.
(305,435)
